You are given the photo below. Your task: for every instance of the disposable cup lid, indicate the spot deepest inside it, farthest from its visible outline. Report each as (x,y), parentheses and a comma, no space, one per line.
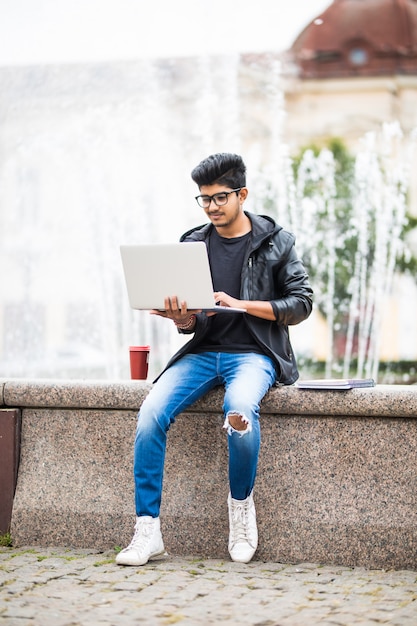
(139,348)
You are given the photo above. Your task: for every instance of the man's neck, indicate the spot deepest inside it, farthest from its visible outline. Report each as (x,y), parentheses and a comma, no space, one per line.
(238,228)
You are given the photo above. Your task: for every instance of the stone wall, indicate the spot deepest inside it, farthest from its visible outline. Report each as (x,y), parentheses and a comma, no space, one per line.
(336,482)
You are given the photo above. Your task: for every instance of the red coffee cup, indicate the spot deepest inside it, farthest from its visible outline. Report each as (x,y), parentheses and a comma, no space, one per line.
(139,361)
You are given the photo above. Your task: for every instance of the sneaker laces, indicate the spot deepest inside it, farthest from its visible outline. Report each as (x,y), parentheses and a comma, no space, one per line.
(142,535)
(240,523)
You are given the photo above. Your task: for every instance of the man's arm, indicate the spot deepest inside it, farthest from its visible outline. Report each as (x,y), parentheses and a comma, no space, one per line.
(257,308)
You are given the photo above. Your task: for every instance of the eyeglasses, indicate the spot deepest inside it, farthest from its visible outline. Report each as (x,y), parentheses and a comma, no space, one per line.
(219,199)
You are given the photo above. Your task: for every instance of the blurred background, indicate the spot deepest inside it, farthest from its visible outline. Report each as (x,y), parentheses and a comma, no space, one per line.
(105,108)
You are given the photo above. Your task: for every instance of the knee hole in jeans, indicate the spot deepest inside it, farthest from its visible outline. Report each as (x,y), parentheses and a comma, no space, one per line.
(237,422)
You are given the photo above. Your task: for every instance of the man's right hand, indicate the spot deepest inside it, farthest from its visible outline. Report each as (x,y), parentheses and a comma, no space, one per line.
(176,311)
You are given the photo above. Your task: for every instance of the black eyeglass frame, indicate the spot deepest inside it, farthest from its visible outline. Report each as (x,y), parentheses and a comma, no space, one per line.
(213,198)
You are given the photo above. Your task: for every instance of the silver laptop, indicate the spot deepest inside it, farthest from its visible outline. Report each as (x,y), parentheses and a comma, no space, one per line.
(156,271)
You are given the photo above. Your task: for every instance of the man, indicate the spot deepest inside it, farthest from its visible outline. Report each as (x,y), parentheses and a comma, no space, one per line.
(254,266)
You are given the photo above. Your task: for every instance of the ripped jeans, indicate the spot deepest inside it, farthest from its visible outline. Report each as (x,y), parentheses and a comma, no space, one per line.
(246,378)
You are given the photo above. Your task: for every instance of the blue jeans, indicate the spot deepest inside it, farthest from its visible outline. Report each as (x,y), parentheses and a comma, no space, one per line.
(246,378)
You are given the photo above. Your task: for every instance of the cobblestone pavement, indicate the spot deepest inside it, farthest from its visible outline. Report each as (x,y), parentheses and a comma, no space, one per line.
(59,587)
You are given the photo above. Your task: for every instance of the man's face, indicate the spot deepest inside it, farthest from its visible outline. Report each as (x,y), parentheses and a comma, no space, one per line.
(226,214)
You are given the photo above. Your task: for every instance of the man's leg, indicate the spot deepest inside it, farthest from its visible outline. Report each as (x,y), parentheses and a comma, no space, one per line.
(248,378)
(179,387)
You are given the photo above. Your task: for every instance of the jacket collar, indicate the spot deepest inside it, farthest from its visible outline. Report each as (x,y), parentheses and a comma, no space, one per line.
(263,227)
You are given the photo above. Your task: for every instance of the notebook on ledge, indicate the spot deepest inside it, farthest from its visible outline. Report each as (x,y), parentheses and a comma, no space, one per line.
(156,271)
(336,383)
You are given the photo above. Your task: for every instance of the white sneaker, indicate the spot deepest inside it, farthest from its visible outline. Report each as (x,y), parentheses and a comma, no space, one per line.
(146,543)
(243,533)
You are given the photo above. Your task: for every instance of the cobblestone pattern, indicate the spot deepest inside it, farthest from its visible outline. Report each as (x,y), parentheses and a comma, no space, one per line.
(58,587)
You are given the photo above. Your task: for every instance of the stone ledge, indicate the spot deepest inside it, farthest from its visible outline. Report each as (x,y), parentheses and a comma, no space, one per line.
(80,394)
(382,400)
(336,483)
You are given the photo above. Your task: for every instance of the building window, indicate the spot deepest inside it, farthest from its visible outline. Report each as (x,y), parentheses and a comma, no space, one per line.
(328,56)
(358,56)
(24,330)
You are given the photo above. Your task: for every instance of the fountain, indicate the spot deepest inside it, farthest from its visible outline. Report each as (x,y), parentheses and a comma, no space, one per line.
(355,241)
(98,155)
(92,157)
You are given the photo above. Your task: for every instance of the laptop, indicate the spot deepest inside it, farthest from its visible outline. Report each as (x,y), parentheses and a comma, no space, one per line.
(156,271)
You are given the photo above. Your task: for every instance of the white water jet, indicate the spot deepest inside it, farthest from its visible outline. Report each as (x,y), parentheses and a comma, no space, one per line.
(96,156)
(382,181)
(377,218)
(93,157)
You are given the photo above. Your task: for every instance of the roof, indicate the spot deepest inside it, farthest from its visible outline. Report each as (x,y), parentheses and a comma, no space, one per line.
(359,38)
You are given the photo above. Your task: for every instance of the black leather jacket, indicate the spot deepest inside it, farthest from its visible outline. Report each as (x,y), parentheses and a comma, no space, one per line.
(272,272)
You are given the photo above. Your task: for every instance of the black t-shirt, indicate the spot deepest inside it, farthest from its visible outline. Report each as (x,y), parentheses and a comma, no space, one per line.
(228,332)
